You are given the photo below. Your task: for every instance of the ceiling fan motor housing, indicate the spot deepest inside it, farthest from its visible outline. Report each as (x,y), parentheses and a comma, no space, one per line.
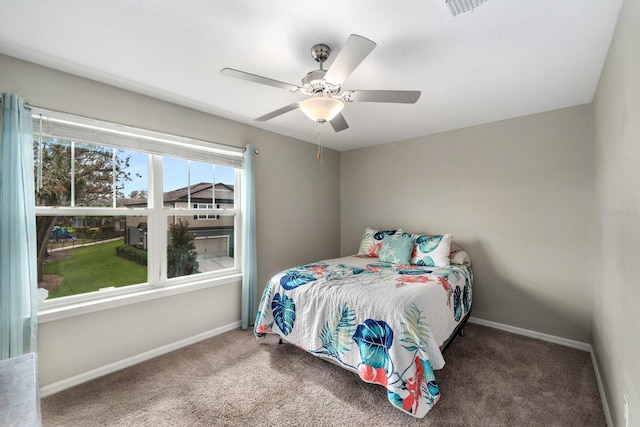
(314,82)
(320,53)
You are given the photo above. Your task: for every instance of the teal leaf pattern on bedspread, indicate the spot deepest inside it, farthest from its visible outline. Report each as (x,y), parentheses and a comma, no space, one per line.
(416,330)
(294,278)
(337,332)
(412,271)
(261,326)
(466,298)
(457,304)
(284,312)
(374,319)
(374,339)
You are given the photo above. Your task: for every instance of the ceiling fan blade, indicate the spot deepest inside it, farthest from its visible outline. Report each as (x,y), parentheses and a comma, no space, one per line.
(338,123)
(277,112)
(354,51)
(398,96)
(230,72)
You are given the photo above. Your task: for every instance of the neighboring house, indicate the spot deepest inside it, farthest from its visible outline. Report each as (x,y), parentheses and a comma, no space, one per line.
(214,234)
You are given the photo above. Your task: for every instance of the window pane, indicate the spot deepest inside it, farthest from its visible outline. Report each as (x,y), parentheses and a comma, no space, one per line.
(93,171)
(86,254)
(71,173)
(185,181)
(187,184)
(175,174)
(199,245)
(133,178)
(52,159)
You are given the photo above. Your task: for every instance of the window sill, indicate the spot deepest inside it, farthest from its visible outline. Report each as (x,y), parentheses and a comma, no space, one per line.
(53,310)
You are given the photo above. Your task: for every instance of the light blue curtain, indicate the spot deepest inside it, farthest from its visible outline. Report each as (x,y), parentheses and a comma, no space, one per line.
(249,249)
(18,263)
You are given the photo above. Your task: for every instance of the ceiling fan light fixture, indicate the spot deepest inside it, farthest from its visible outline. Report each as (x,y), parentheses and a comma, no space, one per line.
(321,108)
(324,87)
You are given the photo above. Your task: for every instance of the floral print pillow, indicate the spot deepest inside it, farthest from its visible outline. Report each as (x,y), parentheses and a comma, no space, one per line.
(372,241)
(431,250)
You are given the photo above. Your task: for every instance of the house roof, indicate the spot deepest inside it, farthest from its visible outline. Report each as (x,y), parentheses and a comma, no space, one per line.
(200,192)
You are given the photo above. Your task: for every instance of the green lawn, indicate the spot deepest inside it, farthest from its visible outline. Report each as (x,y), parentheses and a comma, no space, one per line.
(93,267)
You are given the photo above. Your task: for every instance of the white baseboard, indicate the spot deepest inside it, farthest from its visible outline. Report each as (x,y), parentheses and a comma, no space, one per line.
(533,334)
(603,396)
(557,340)
(130,361)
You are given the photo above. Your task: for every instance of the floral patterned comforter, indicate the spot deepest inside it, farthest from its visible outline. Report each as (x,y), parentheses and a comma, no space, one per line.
(383,321)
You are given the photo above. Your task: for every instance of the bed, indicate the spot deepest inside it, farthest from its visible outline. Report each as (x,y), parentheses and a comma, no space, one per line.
(386,321)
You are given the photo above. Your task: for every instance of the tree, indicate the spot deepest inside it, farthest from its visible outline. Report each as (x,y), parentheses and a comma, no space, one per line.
(181,254)
(93,181)
(138,194)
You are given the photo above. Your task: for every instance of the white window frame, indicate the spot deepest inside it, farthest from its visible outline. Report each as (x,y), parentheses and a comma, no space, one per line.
(158,284)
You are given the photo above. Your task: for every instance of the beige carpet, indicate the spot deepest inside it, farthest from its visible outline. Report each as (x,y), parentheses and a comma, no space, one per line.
(492,378)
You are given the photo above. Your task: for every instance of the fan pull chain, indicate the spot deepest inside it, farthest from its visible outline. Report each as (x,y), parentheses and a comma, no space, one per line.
(319,153)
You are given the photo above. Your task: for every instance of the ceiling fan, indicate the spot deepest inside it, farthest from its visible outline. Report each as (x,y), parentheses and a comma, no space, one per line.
(324,87)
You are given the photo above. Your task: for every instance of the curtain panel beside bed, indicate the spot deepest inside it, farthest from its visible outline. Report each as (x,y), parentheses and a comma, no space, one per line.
(249,250)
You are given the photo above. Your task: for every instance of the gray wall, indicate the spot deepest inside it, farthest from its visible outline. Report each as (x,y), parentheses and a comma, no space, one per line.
(514,194)
(297,208)
(615,214)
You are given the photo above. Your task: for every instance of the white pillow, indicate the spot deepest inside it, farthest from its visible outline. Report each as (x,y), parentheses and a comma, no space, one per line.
(458,255)
(460,258)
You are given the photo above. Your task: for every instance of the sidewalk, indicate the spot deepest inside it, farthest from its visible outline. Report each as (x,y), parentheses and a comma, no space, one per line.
(73,245)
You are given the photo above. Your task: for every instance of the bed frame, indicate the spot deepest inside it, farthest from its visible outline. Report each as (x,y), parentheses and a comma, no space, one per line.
(459,330)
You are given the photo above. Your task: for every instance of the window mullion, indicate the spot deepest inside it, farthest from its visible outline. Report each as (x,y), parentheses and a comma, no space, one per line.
(189,183)
(114,178)
(213,189)
(73,174)
(157,253)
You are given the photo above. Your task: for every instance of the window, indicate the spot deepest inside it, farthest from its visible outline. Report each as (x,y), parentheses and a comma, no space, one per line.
(121,209)
(206,206)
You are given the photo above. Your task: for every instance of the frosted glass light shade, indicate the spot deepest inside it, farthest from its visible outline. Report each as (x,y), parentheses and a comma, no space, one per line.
(322,108)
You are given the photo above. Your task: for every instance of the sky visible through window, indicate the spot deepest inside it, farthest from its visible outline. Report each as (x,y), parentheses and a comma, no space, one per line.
(176,173)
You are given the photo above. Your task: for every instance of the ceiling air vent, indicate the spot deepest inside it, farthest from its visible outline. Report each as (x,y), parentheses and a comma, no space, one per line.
(461,6)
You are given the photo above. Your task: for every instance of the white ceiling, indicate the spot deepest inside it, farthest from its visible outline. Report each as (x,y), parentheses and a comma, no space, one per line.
(506,59)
